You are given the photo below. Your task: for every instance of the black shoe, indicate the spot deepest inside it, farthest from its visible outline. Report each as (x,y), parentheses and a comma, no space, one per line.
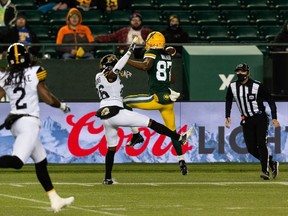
(275,169)
(107,181)
(136,138)
(183,167)
(265,175)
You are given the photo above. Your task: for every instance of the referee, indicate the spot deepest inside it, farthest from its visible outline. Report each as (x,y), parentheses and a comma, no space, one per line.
(249,95)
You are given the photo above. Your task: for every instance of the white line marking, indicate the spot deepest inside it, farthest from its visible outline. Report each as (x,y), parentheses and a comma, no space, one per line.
(91,184)
(47,203)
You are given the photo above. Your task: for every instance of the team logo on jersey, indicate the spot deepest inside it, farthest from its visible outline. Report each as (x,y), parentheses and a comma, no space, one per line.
(105,111)
(251,97)
(166,97)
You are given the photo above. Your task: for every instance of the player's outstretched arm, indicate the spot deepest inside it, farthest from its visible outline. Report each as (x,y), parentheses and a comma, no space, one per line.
(123,60)
(47,96)
(2,92)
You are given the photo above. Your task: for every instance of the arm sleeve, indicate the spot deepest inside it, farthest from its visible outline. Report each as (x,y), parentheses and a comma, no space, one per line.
(270,100)
(229,100)
(121,63)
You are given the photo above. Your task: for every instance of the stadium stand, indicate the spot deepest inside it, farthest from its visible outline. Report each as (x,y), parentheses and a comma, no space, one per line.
(141,5)
(169,4)
(118,17)
(151,16)
(215,33)
(227,4)
(236,17)
(184,16)
(268,33)
(92,17)
(34,17)
(264,17)
(279,4)
(245,33)
(255,4)
(205,21)
(199,4)
(206,17)
(24,5)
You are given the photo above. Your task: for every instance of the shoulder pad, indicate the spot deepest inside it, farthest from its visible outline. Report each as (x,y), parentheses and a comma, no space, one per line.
(150,54)
(41,74)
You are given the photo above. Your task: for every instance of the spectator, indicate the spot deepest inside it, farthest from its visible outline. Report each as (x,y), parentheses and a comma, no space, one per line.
(75,33)
(175,34)
(86,5)
(8,13)
(112,5)
(282,37)
(47,5)
(126,35)
(22,33)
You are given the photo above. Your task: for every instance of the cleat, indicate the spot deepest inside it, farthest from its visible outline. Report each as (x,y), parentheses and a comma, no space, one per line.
(58,203)
(107,181)
(136,138)
(185,136)
(275,169)
(265,175)
(183,167)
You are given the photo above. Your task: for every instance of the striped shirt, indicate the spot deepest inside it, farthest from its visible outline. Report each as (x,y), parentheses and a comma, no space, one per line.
(249,98)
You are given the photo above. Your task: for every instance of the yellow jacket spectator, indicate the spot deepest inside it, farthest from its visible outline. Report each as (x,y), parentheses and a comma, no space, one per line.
(76,34)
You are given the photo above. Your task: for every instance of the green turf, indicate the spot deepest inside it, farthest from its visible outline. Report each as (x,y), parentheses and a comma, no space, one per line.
(148,190)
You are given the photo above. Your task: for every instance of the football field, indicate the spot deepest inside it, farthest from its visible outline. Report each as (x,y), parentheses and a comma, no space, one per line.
(148,190)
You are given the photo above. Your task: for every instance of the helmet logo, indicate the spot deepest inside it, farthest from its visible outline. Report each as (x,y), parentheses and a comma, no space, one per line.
(16,54)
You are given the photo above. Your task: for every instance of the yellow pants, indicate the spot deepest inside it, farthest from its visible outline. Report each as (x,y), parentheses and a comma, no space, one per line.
(150,102)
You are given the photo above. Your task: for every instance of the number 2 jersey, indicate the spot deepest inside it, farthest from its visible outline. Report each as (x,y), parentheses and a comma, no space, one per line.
(24,97)
(110,94)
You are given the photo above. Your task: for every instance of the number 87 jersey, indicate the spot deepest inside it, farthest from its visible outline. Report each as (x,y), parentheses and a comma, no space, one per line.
(160,73)
(23,97)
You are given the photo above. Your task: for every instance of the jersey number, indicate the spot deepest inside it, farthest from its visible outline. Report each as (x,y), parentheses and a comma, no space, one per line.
(18,102)
(162,67)
(102,94)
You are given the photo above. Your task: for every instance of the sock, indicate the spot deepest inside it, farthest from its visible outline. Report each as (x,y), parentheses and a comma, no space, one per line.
(177,146)
(52,194)
(161,129)
(8,161)
(134,130)
(180,157)
(43,176)
(109,161)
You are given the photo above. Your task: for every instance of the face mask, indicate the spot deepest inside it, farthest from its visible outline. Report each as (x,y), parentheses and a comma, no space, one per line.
(241,77)
(174,26)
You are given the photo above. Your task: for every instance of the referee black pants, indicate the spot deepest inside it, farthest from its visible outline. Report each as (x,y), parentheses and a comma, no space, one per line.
(255,135)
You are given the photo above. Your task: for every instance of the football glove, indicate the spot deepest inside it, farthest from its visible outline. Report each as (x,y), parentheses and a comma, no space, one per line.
(125,73)
(174,95)
(65,108)
(133,45)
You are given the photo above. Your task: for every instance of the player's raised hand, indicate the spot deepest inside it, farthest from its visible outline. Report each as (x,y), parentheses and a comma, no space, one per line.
(133,45)
(65,108)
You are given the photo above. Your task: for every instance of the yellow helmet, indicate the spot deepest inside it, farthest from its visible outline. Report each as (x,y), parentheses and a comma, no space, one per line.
(155,40)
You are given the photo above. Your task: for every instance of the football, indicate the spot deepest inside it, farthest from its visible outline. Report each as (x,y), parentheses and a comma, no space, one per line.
(171,50)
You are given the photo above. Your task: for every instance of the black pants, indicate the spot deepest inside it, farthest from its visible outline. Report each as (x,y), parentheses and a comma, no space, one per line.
(255,135)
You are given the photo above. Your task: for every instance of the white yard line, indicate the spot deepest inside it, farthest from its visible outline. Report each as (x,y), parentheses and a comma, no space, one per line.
(91,184)
(47,203)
